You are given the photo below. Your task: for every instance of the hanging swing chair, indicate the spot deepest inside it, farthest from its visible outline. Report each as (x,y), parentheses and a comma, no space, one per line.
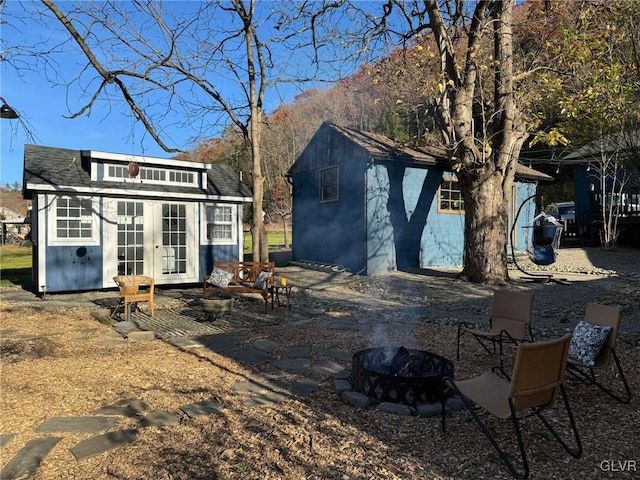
(542,237)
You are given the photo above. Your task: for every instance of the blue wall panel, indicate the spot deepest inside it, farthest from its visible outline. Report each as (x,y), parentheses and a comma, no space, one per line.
(581,184)
(211,253)
(380,249)
(330,232)
(400,204)
(442,242)
(73,268)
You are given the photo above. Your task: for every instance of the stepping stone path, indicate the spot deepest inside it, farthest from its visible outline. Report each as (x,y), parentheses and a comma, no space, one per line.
(25,463)
(287,371)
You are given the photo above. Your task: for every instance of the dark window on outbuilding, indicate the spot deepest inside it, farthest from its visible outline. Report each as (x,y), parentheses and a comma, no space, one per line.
(329,184)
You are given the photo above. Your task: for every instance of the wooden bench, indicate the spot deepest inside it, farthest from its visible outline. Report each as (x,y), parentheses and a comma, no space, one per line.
(242,281)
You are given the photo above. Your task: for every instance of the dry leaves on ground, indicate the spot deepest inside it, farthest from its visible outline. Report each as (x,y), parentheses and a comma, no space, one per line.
(71,365)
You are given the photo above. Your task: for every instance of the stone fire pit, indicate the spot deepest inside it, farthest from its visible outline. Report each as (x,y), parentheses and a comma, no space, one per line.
(397,380)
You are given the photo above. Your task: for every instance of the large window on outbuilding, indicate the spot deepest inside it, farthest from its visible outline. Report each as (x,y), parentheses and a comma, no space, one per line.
(329,184)
(450,196)
(220,223)
(73,221)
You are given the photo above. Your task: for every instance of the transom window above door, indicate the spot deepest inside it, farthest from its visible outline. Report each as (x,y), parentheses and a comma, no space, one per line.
(118,172)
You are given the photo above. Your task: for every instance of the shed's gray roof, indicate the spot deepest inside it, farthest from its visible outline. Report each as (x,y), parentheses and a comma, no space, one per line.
(60,169)
(382,148)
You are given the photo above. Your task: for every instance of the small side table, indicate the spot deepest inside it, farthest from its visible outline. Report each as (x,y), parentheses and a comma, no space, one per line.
(281,296)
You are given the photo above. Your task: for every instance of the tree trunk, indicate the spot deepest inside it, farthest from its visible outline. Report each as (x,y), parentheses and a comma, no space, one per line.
(486,224)
(286,236)
(260,248)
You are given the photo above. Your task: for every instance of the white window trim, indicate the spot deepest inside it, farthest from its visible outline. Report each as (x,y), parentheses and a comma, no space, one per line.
(234,225)
(52,231)
(449,211)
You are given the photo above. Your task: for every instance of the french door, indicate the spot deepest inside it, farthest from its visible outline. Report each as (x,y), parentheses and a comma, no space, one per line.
(157,239)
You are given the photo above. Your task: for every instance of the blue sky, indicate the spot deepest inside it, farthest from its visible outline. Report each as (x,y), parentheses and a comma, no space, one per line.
(110,128)
(43,107)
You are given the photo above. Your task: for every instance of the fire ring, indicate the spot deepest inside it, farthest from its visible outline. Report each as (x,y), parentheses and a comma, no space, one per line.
(400,375)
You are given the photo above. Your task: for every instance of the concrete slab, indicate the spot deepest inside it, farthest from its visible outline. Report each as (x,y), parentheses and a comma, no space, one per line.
(338,355)
(6,438)
(327,367)
(297,352)
(128,407)
(101,443)
(206,407)
(279,380)
(220,343)
(250,355)
(250,387)
(305,386)
(141,336)
(267,398)
(341,385)
(159,418)
(266,345)
(25,463)
(343,374)
(184,342)
(77,424)
(126,325)
(292,364)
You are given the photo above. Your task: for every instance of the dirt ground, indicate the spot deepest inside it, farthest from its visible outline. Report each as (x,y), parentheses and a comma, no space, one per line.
(58,360)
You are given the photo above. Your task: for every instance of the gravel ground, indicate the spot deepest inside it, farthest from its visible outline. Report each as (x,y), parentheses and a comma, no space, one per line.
(579,276)
(78,368)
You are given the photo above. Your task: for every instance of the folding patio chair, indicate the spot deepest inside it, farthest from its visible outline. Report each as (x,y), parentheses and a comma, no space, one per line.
(509,320)
(536,380)
(134,289)
(584,368)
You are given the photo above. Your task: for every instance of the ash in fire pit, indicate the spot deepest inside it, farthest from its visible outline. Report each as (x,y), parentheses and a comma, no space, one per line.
(400,375)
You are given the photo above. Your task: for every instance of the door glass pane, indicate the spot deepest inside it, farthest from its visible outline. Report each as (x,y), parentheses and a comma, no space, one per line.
(130,247)
(174,236)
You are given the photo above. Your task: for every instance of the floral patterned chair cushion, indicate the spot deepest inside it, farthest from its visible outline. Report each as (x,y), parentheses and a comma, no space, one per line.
(220,278)
(587,341)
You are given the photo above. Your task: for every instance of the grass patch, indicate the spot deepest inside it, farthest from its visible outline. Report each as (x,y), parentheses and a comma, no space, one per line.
(15,265)
(15,262)
(275,240)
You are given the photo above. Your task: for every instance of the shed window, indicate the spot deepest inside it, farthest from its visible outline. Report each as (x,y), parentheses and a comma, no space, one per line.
(73,221)
(329,184)
(220,223)
(450,196)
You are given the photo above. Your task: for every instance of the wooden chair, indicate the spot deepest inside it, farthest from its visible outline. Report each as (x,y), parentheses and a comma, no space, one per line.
(509,320)
(537,378)
(605,316)
(134,289)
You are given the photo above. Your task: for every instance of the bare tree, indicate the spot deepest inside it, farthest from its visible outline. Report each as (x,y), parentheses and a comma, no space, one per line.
(612,162)
(481,125)
(196,65)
